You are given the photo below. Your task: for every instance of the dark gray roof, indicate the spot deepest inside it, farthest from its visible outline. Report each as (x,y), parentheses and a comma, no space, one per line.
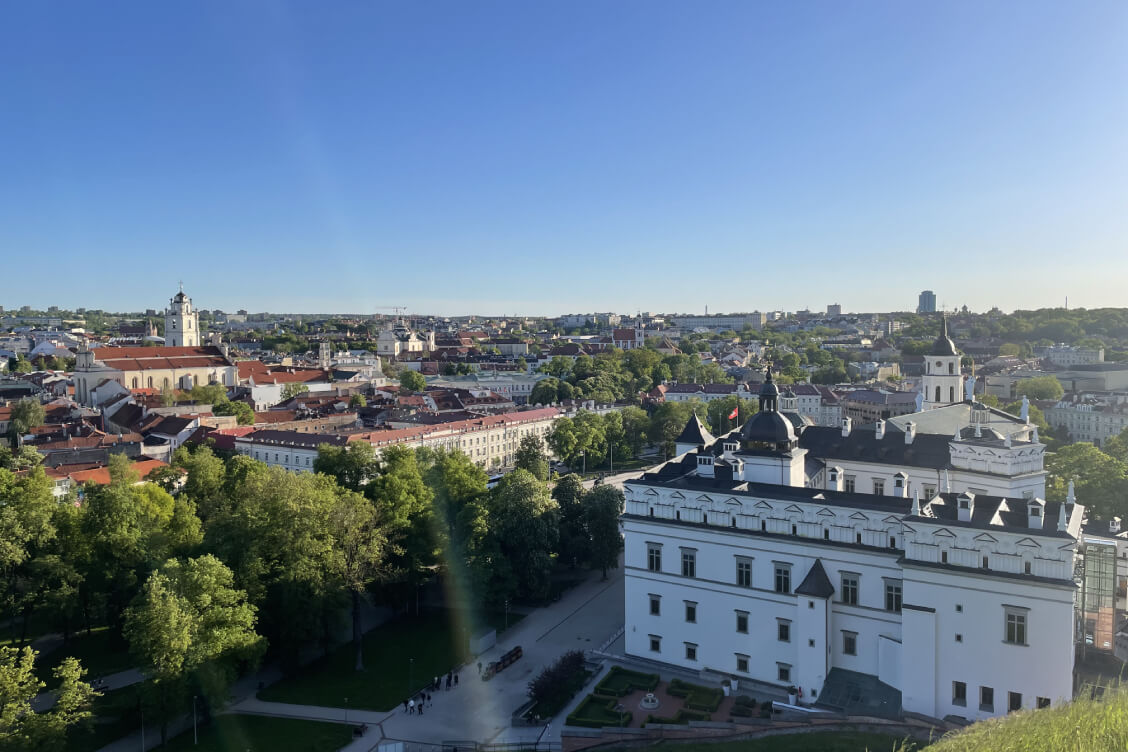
(694,433)
(827,443)
(769,427)
(816,584)
(293,438)
(943,344)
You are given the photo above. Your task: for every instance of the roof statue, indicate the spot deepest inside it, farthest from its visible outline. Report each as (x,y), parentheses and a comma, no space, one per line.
(969,389)
(1025,412)
(919,401)
(916,503)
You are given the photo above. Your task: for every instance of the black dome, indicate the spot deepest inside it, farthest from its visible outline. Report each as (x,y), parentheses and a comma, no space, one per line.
(768,427)
(943,344)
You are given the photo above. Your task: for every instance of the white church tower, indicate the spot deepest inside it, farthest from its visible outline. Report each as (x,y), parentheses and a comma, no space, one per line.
(943,382)
(182,325)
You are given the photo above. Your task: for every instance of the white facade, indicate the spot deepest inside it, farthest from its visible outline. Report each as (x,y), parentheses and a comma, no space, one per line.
(182,325)
(914,601)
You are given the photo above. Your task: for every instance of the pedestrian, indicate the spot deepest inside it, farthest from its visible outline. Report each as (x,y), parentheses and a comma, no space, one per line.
(428,699)
(456,680)
(435,683)
(411,706)
(448,680)
(479,668)
(420,710)
(405,706)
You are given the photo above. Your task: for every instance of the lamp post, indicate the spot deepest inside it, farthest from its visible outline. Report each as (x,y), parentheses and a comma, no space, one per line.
(346,710)
(584,455)
(507,613)
(410,675)
(195,735)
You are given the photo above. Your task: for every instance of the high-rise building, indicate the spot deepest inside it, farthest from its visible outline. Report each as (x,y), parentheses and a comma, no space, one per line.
(926,303)
(834,309)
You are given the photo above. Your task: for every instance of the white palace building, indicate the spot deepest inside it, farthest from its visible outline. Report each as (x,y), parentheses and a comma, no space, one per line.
(909,565)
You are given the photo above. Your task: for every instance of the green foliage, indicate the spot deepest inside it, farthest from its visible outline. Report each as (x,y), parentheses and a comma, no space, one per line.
(1101,480)
(412,381)
(595,711)
(20,727)
(530,456)
(352,465)
(237,732)
(293,389)
(620,681)
(574,544)
(683,716)
(358,400)
(244,413)
(205,394)
(602,507)
(1040,388)
(706,699)
(524,524)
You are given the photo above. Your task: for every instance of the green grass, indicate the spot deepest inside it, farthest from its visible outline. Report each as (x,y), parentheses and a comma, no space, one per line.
(620,681)
(37,626)
(435,640)
(101,654)
(596,711)
(829,741)
(1084,725)
(249,733)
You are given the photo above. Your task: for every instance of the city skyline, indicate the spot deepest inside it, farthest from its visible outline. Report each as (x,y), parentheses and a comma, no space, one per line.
(541,159)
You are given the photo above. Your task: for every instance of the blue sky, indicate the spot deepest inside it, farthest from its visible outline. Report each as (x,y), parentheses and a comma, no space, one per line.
(547,157)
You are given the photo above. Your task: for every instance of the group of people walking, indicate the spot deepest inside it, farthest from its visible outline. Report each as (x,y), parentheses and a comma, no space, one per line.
(415,705)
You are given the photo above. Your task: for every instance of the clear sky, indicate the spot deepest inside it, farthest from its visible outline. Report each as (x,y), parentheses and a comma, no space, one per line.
(551,157)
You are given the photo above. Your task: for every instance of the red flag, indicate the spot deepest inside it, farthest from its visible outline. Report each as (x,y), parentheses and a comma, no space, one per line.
(734,413)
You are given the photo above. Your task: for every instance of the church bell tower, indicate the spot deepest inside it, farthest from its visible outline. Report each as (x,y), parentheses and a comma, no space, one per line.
(943,382)
(182,326)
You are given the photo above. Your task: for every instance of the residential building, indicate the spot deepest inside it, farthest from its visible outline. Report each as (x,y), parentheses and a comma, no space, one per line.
(819,403)
(1086,418)
(720,322)
(833,310)
(1065,356)
(926,302)
(749,558)
(706,392)
(868,405)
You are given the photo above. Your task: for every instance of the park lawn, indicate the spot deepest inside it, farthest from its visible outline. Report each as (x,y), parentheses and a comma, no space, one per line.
(253,733)
(101,653)
(829,741)
(434,640)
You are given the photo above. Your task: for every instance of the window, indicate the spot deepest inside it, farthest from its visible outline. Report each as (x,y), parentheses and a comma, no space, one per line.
(892,541)
(742,663)
(1026,567)
(689,563)
(794,529)
(783,630)
(951,390)
(1043,702)
(691,612)
(951,367)
(878,487)
(1015,626)
(654,558)
(655,605)
(850,643)
(783,578)
(742,622)
(959,637)
(959,608)
(893,595)
(783,672)
(987,699)
(690,651)
(1014,701)
(959,693)
(655,644)
(937,394)
(943,557)
(763,526)
(859,538)
(850,589)
(986,563)
(848,484)
(826,534)
(929,492)
(744,572)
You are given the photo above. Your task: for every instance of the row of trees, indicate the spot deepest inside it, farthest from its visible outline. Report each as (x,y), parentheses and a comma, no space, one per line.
(615,375)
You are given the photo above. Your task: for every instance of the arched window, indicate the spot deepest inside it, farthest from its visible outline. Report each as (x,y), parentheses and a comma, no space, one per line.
(951,367)
(134,382)
(164,384)
(150,382)
(937,394)
(951,394)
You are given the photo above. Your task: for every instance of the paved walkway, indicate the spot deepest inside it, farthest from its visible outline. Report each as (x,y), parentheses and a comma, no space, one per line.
(479,710)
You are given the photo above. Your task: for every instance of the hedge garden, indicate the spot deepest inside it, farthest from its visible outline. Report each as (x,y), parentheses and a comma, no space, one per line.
(620,682)
(696,697)
(596,711)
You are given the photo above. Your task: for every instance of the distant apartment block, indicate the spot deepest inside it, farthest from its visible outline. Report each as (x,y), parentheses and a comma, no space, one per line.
(926,302)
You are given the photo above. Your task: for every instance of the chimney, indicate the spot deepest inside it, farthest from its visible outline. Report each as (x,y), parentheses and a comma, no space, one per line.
(879,430)
(910,432)
(965,505)
(1035,511)
(846,425)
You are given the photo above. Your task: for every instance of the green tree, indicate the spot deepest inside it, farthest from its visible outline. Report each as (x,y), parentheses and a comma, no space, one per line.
(244,413)
(20,364)
(524,522)
(206,394)
(358,400)
(23,729)
(1040,388)
(293,389)
(359,552)
(669,419)
(412,381)
(457,485)
(353,465)
(602,507)
(168,395)
(636,427)
(530,456)
(26,414)
(545,392)
(204,479)
(1101,480)
(1010,349)
(574,548)
(191,624)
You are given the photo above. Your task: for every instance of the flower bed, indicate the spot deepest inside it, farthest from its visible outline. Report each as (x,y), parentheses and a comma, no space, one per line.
(683,716)
(696,697)
(596,712)
(620,681)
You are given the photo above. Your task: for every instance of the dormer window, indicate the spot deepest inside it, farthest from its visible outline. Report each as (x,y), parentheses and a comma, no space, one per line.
(704,460)
(1035,511)
(730,447)
(964,504)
